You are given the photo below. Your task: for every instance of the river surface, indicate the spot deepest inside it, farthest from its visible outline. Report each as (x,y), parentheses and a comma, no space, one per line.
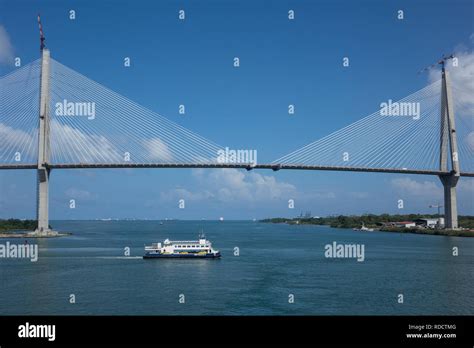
(280,270)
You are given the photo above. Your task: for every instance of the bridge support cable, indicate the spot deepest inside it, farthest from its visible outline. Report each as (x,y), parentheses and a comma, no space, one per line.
(19,95)
(93,124)
(384,139)
(464,118)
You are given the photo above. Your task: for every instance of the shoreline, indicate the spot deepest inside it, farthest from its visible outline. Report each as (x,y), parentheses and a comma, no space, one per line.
(462,232)
(28,235)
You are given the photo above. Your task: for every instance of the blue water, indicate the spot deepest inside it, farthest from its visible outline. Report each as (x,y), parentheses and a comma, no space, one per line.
(275,260)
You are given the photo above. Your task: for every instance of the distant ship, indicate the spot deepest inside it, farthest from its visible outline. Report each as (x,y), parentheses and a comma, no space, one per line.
(199,249)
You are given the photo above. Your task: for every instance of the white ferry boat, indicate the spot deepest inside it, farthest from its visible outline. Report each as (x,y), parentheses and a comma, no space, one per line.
(201,248)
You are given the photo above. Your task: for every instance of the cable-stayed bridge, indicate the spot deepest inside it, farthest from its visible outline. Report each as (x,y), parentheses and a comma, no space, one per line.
(83,124)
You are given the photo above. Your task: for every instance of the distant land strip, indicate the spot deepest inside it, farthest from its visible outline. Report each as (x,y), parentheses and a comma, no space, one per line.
(383,222)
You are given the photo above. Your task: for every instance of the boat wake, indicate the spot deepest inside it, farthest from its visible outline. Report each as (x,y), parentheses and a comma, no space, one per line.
(95,257)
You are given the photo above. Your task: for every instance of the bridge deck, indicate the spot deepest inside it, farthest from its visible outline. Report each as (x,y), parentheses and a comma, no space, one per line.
(274,167)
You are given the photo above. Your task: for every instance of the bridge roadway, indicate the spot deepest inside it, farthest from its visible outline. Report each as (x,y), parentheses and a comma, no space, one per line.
(274,167)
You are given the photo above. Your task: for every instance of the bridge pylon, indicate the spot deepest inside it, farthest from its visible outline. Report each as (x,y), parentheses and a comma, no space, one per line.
(43,171)
(448,151)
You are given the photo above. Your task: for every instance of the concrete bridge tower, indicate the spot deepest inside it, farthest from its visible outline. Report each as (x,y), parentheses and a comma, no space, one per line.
(448,150)
(42,213)
(43,148)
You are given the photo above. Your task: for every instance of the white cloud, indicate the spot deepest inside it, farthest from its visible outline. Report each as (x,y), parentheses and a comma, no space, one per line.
(72,145)
(309,196)
(14,140)
(78,146)
(74,193)
(462,77)
(6,48)
(157,149)
(182,193)
(416,188)
(238,185)
(232,185)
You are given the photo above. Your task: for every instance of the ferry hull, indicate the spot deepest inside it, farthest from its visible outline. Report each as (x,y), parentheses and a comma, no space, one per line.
(181,256)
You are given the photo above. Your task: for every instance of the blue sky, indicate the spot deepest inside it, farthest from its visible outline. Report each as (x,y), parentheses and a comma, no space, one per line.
(282,62)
